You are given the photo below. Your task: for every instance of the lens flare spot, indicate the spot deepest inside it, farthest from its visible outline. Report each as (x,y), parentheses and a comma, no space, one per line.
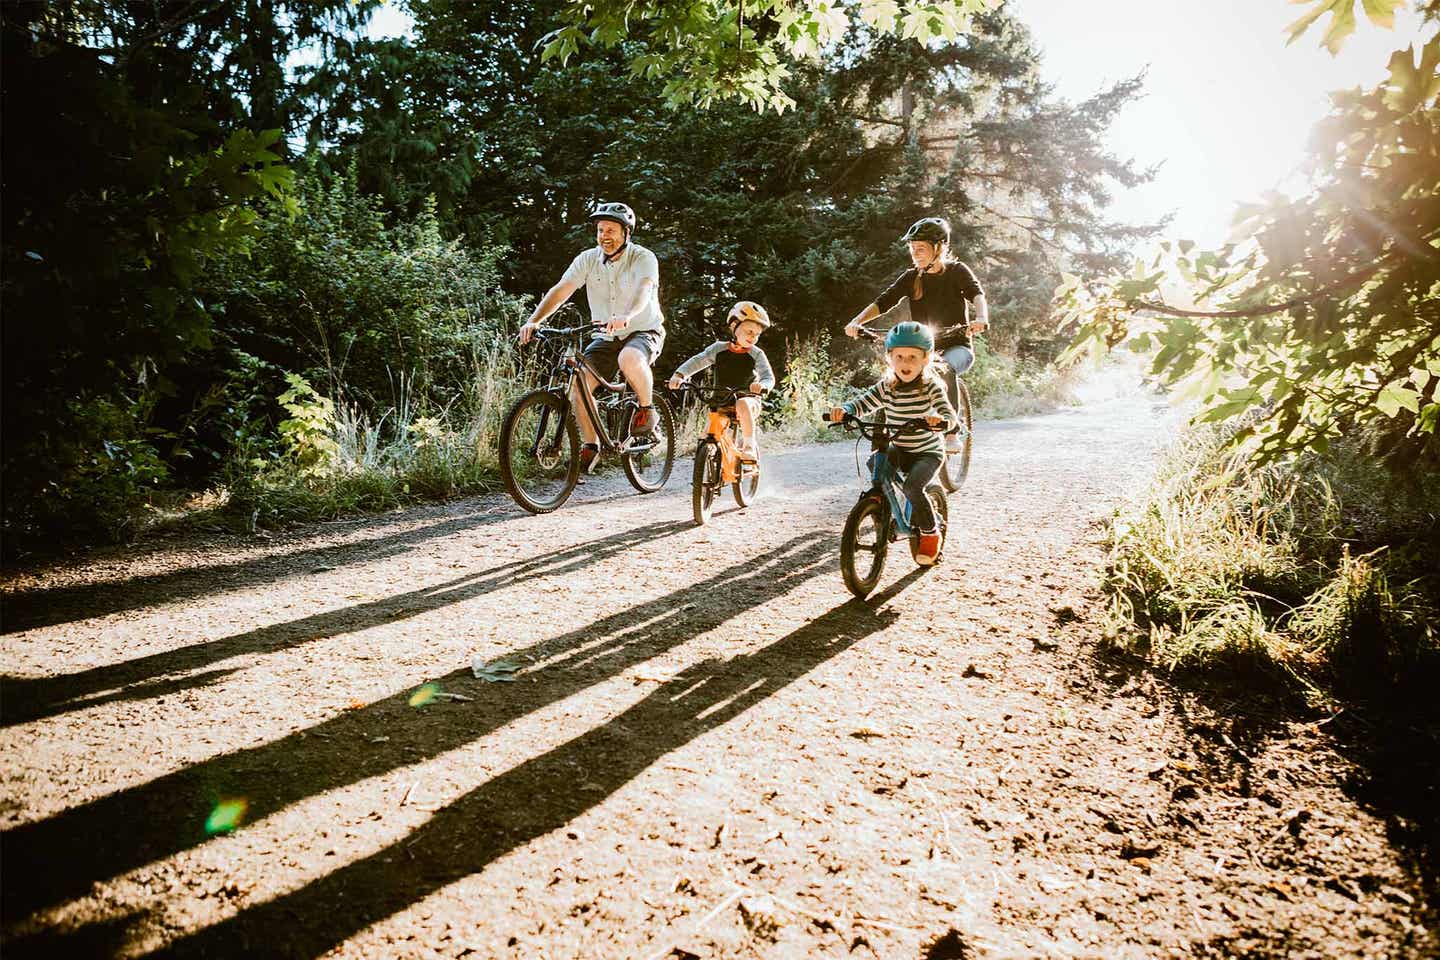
(227,815)
(424,695)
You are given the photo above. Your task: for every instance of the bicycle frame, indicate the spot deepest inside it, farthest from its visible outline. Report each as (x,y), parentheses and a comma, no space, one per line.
(570,366)
(885,480)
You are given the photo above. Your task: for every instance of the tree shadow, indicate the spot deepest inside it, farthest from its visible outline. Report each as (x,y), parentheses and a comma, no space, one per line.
(1392,743)
(536,797)
(33,698)
(48,607)
(31,609)
(59,858)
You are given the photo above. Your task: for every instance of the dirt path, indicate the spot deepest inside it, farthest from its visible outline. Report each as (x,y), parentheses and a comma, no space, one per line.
(710,751)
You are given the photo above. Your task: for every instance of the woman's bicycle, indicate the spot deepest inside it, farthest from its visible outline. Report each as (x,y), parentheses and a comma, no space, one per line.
(717,455)
(882,514)
(956,466)
(540,441)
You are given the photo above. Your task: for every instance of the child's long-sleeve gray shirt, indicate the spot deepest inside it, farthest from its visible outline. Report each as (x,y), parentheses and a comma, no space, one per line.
(736,369)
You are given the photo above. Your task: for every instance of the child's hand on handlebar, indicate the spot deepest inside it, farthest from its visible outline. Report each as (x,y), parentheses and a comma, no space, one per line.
(757,388)
(836,414)
(934,421)
(852,330)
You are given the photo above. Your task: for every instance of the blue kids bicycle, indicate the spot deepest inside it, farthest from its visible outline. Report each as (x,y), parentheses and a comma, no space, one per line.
(882,514)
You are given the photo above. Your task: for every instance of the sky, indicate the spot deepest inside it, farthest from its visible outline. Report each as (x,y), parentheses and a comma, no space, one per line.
(1228,107)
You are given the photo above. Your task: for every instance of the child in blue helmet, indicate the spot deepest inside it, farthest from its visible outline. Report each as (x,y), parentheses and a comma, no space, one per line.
(910,390)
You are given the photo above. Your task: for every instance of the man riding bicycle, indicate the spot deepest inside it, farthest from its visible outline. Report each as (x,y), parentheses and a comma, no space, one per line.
(939,288)
(622,283)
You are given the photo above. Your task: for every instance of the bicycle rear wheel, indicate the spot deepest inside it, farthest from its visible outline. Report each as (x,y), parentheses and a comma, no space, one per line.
(648,469)
(540,451)
(864,544)
(957,465)
(707,480)
(749,483)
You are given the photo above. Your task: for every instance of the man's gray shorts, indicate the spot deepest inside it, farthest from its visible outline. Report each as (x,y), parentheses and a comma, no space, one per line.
(605,354)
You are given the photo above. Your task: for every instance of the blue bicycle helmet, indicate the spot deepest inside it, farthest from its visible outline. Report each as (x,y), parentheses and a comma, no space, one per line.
(910,334)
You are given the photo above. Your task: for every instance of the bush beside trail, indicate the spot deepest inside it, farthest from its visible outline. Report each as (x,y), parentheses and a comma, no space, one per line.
(1318,576)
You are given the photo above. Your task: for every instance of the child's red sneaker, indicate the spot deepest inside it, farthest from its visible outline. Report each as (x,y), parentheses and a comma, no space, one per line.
(928,549)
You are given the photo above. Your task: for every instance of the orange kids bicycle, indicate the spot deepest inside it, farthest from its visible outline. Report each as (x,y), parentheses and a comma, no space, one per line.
(717,455)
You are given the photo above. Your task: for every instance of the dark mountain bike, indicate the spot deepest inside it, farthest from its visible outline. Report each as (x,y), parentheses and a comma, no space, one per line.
(540,441)
(956,466)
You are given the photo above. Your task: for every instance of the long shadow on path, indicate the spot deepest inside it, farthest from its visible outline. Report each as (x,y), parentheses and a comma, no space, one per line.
(29,699)
(534,798)
(59,858)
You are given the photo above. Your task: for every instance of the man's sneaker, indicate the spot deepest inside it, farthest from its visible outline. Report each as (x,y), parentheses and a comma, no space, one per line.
(748,451)
(953,443)
(928,549)
(642,425)
(589,456)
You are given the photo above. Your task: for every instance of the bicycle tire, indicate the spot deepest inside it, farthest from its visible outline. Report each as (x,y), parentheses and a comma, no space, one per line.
(866,532)
(648,470)
(540,478)
(956,468)
(749,483)
(706,481)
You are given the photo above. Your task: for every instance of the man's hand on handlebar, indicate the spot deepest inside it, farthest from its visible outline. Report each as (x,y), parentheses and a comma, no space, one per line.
(527,331)
(852,329)
(836,415)
(676,382)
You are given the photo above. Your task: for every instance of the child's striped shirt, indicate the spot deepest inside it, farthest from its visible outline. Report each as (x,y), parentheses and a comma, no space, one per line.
(901,402)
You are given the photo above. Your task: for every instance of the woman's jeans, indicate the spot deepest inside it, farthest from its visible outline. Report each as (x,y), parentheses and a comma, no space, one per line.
(920,470)
(959,360)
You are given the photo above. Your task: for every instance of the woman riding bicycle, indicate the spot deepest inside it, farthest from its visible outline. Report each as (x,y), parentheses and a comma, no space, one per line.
(939,288)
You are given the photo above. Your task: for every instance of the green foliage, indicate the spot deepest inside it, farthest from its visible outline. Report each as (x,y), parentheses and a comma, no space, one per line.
(1318,575)
(308,431)
(115,201)
(803,393)
(350,299)
(1327,316)
(703,53)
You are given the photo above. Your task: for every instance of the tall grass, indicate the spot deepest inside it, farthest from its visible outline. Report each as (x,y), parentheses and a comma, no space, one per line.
(351,460)
(1320,575)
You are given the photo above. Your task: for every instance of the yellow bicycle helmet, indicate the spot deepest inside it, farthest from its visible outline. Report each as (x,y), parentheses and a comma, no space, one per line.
(748,310)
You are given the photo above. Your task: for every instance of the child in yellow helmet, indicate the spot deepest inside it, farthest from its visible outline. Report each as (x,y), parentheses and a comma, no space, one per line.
(739,365)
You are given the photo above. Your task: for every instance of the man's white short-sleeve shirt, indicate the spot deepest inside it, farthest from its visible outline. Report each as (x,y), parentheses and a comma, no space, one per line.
(611,287)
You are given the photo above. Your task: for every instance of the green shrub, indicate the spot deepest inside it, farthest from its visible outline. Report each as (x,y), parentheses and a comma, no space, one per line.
(1223,563)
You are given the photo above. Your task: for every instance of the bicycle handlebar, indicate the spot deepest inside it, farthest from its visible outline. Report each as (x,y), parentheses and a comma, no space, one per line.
(713,392)
(879,430)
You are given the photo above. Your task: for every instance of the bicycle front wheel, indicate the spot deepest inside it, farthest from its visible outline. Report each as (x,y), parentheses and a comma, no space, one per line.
(648,469)
(707,480)
(540,451)
(957,465)
(864,544)
(749,483)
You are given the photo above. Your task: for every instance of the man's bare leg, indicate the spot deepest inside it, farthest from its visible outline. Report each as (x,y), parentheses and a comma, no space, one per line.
(637,372)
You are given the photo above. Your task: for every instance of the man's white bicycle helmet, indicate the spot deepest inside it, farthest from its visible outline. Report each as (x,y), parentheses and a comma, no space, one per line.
(619,212)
